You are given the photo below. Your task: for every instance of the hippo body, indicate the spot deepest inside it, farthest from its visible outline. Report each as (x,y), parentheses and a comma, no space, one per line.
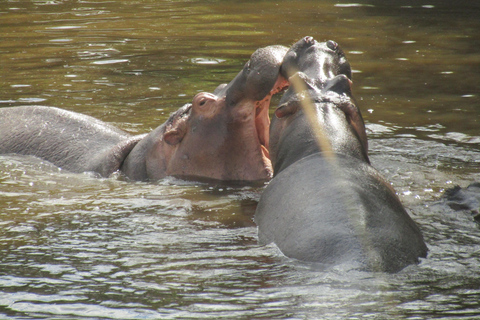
(220,136)
(330,207)
(72,141)
(349,214)
(467,199)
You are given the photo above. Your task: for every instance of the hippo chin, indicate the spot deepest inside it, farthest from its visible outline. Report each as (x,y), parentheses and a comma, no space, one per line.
(221,135)
(330,209)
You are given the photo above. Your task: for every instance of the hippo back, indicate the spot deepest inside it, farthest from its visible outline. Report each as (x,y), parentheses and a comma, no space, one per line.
(340,213)
(70,140)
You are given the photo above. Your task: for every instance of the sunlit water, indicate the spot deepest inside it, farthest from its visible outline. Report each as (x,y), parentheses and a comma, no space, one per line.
(76,247)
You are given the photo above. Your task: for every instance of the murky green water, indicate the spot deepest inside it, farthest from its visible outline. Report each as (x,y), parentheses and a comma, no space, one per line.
(76,247)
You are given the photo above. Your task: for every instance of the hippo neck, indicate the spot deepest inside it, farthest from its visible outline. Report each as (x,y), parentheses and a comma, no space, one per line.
(134,165)
(110,160)
(298,140)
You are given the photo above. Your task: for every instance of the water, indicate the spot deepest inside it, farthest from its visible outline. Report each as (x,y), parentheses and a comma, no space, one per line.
(76,247)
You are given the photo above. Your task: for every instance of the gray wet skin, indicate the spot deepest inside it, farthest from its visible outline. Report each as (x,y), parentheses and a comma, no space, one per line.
(220,136)
(325,211)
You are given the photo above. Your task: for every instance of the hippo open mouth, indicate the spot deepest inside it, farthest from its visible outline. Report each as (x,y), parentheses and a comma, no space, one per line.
(262,119)
(262,124)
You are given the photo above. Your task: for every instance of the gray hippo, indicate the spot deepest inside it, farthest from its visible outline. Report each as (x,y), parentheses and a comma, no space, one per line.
(331,209)
(221,135)
(467,199)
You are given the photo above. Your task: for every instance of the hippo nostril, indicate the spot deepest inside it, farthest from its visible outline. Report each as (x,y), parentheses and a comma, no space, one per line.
(309,40)
(332,45)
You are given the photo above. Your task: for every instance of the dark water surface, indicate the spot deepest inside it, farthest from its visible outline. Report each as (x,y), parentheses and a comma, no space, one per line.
(76,247)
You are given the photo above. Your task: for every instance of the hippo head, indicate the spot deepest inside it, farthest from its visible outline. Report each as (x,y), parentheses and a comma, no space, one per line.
(223,135)
(325,74)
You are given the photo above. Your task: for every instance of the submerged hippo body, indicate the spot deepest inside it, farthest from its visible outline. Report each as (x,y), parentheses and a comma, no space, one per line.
(72,141)
(220,136)
(331,207)
(467,199)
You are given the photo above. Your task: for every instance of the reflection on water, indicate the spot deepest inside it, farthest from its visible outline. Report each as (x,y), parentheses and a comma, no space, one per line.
(76,247)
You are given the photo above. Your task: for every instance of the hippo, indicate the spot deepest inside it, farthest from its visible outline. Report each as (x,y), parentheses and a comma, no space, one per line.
(330,208)
(467,199)
(219,136)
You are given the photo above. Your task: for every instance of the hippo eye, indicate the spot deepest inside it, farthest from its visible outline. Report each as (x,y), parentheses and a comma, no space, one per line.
(201,103)
(332,45)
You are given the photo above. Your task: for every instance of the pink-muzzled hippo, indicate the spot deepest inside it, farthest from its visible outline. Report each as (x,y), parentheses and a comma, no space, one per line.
(219,136)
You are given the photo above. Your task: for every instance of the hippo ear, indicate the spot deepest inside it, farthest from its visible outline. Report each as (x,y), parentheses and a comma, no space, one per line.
(173,137)
(287,109)
(219,89)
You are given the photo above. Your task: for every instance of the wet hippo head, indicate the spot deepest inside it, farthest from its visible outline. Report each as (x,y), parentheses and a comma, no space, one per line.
(326,77)
(223,135)
(318,60)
